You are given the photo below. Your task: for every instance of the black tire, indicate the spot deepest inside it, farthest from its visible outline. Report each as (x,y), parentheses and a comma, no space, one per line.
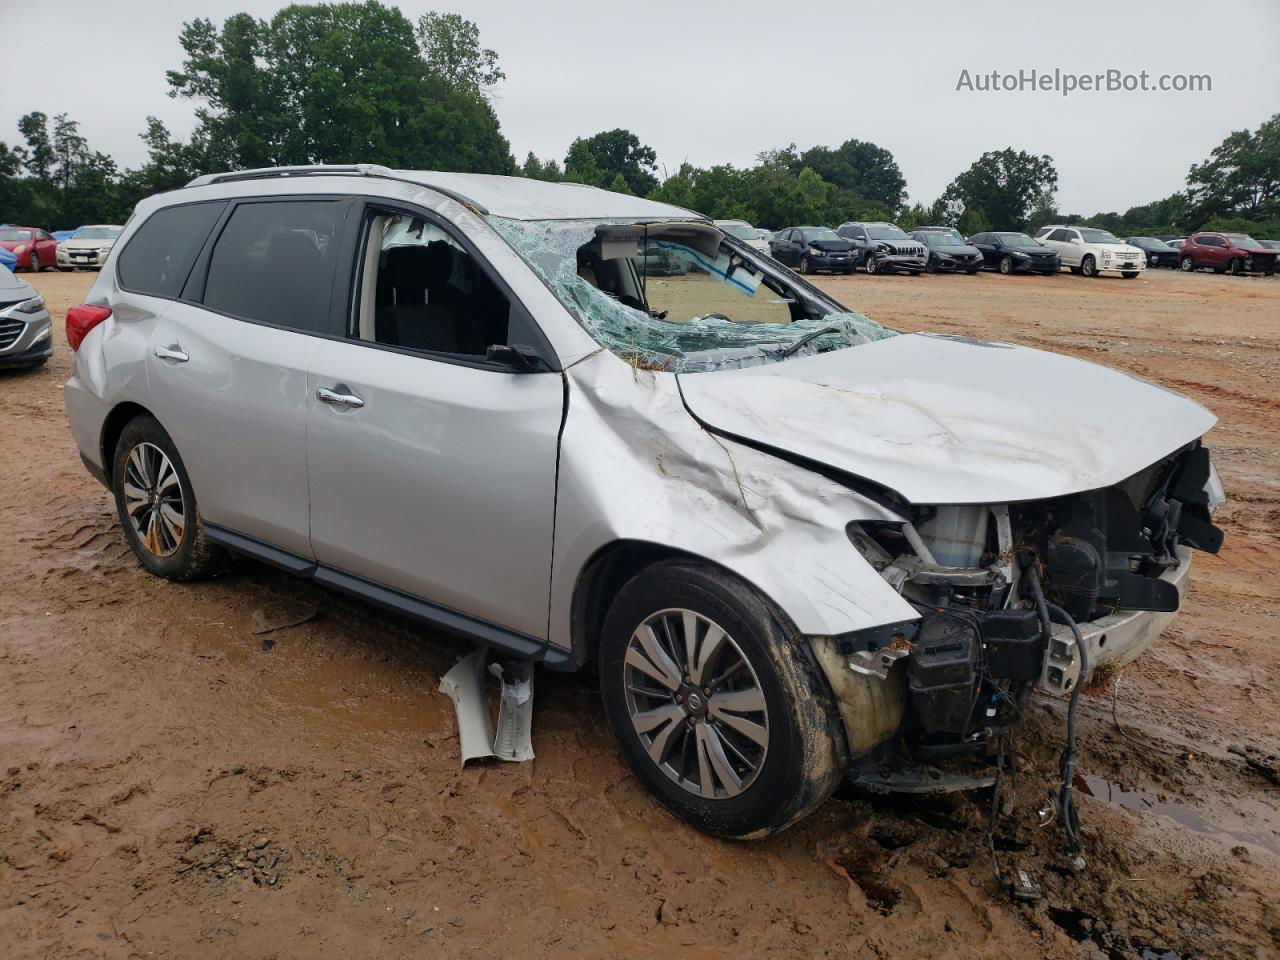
(1129,274)
(806,752)
(1089,266)
(194,556)
(1233,266)
(804,265)
(870,264)
(1006,264)
(1187,264)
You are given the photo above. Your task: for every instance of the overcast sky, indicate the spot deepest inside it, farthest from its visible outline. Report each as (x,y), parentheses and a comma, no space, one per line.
(719,82)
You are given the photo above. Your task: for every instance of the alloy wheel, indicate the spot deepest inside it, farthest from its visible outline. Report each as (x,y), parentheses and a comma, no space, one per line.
(153,500)
(696,704)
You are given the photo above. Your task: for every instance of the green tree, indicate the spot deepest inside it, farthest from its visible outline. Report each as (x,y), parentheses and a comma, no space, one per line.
(619,184)
(334,83)
(870,171)
(972,221)
(37,156)
(1241,177)
(677,189)
(536,169)
(610,153)
(1004,185)
(451,47)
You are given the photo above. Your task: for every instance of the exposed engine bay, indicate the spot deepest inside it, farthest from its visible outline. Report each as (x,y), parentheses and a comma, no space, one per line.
(983,642)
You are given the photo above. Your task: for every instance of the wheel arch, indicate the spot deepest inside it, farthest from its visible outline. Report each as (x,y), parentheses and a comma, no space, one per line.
(113,426)
(611,567)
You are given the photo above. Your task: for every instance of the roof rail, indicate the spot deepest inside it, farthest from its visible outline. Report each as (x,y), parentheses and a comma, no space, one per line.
(332,170)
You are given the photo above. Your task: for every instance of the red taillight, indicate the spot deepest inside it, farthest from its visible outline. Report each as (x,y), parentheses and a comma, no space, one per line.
(82,319)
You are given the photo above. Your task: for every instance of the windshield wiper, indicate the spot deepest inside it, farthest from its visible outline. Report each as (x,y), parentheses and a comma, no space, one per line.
(807,338)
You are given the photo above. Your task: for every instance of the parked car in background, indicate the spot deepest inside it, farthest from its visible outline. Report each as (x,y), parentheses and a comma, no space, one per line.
(1175,242)
(656,260)
(60,235)
(948,252)
(813,249)
(7,259)
(1270,244)
(741,230)
(950,231)
(791,550)
(885,248)
(1090,251)
(1159,253)
(1016,253)
(25,326)
(34,248)
(88,246)
(1227,252)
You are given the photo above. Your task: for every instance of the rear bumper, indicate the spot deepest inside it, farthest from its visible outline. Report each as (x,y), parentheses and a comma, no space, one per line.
(1113,640)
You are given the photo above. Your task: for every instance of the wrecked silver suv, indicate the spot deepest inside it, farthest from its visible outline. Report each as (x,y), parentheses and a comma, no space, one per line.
(798,546)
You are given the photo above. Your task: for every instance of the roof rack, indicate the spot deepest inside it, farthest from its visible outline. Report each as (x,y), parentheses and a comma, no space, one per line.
(332,170)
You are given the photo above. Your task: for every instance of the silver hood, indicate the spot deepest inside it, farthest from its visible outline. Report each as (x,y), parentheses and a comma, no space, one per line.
(951,419)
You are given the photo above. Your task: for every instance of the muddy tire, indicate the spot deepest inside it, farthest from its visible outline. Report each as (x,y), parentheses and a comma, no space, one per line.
(741,737)
(156,506)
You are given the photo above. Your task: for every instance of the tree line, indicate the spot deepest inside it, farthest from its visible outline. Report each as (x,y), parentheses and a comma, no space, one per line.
(360,82)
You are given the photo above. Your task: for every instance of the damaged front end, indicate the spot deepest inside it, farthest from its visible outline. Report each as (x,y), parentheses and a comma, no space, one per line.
(1115,560)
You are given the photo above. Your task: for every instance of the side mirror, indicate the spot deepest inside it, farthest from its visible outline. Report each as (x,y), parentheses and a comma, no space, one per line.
(515,355)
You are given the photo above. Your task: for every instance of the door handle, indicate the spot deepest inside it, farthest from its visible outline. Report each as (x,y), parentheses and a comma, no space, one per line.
(172,353)
(325,395)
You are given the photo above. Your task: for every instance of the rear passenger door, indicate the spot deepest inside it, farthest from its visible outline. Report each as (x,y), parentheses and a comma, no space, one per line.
(433,467)
(227,363)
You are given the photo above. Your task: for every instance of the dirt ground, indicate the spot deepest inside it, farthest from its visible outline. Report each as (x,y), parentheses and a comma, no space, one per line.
(253,767)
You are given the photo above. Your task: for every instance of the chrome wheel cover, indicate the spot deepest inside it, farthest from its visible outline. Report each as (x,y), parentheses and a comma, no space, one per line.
(696,704)
(153,500)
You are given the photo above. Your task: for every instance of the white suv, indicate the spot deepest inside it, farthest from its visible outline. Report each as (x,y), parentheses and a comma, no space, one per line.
(1089,250)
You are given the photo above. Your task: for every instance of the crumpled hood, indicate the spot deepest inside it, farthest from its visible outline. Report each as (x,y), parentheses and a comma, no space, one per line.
(831,246)
(951,419)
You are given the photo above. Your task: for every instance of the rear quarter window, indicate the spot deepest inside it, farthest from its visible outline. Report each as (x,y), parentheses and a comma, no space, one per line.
(158,257)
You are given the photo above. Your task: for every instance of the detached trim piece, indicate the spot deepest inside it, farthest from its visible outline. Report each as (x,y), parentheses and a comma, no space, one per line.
(509,642)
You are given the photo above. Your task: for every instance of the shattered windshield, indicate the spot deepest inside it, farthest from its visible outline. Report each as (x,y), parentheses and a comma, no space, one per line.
(678,297)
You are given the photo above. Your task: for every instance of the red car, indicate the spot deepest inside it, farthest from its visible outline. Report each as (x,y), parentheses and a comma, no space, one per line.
(34,248)
(1232,252)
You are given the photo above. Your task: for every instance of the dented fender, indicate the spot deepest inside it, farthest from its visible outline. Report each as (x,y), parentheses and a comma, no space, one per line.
(635,465)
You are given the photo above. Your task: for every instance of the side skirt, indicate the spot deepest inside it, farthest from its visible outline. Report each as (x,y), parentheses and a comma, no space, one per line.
(478,631)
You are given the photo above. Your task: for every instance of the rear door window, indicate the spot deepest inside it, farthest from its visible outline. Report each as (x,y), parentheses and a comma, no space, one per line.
(274,263)
(159,255)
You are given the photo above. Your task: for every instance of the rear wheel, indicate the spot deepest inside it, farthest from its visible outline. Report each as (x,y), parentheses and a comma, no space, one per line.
(157,507)
(1089,267)
(718,713)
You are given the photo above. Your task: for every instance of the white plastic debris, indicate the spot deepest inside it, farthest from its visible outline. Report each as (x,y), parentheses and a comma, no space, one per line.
(465,686)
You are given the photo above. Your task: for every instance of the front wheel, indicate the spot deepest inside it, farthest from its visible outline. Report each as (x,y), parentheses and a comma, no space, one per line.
(1233,267)
(804,265)
(870,265)
(716,710)
(1089,267)
(1187,265)
(1006,265)
(157,507)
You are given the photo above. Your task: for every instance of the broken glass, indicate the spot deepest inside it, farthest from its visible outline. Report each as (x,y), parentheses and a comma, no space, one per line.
(665,339)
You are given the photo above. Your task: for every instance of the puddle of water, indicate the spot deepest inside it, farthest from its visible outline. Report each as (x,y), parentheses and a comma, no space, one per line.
(1140,801)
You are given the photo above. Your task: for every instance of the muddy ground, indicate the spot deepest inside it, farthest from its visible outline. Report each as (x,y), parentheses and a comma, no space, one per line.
(254,767)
